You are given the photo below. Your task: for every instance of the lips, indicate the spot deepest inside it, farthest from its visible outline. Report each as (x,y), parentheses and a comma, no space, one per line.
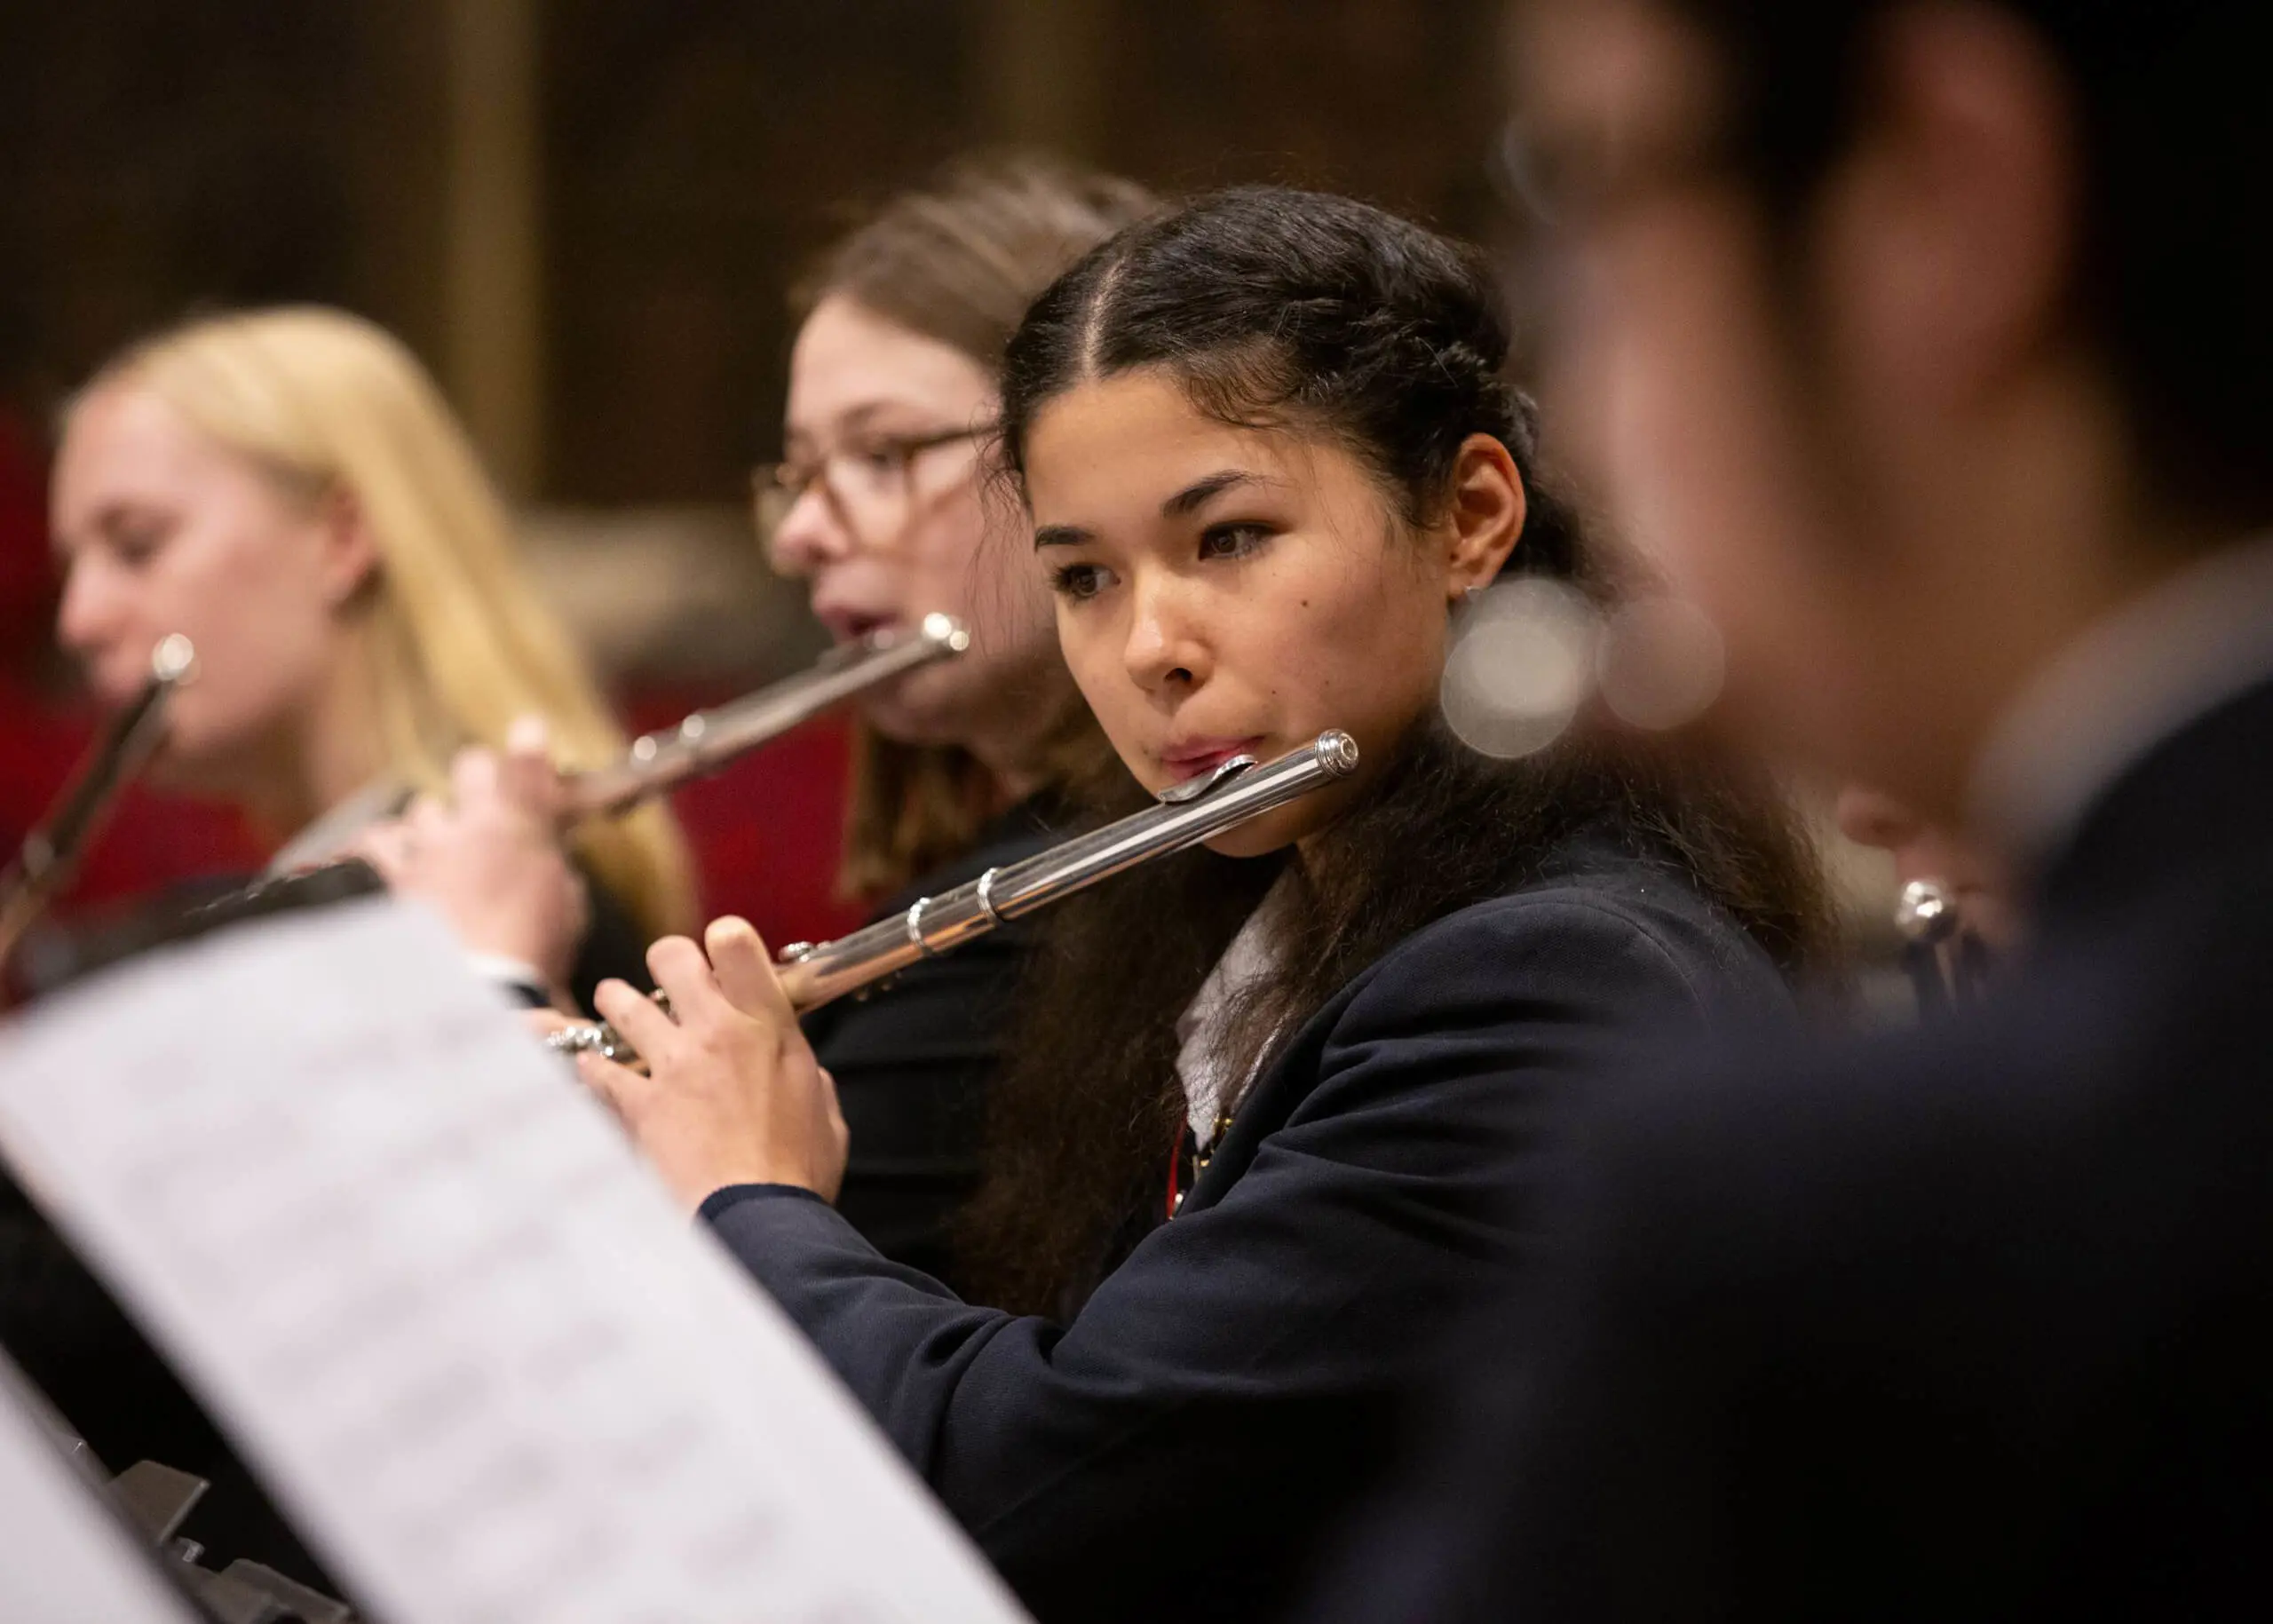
(850,625)
(1193,757)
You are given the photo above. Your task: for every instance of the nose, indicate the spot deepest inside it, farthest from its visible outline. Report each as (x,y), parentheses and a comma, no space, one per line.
(809,535)
(1164,650)
(92,614)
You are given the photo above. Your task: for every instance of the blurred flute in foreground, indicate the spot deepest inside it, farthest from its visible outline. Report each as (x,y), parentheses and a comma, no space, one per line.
(50,853)
(1187,815)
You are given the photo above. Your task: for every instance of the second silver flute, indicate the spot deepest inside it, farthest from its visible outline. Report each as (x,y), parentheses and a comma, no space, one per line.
(1188,814)
(709,739)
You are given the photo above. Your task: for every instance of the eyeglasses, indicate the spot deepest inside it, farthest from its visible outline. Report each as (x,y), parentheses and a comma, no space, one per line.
(865,483)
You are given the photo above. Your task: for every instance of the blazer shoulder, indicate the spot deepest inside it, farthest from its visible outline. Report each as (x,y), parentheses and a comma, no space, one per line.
(1608,924)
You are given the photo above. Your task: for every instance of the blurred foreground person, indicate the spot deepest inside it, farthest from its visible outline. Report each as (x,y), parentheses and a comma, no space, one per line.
(289,489)
(1946,382)
(1269,1096)
(882,504)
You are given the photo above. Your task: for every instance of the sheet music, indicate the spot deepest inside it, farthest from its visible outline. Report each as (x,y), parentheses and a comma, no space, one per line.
(429,1289)
(63,1559)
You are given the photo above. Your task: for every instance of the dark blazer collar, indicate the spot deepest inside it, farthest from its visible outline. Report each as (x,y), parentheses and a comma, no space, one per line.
(2200,801)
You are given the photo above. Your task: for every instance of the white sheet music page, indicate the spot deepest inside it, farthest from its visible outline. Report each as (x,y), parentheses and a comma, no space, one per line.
(431,1290)
(64,1559)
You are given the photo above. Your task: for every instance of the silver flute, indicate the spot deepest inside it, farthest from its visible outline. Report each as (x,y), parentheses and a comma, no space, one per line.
(708,740)
(658,762)
(1190,813)
(50,853)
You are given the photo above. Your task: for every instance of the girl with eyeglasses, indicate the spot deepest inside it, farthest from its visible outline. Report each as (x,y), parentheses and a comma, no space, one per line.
(883,505)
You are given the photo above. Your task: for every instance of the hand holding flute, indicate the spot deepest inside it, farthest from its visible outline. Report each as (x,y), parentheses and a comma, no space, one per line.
(733,1094)
(489,859)
(489,856)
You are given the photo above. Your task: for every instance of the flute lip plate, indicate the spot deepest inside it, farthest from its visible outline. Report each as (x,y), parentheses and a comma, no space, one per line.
(1193,788)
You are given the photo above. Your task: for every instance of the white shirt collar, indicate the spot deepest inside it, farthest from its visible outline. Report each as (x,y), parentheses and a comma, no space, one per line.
(2197,640)
(1203,1028)
(331,831)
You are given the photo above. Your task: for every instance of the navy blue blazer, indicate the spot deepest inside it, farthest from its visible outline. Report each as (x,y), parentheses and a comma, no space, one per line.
(1182,1447)
(1976,1322)
(913,1060)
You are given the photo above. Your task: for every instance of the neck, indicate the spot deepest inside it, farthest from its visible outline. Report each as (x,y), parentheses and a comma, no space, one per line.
(330,751)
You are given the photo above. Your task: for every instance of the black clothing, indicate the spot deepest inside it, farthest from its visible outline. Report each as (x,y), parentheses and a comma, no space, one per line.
(1973,1322)
(912,1061)
(53,956)
(1179,1448)
(614,947)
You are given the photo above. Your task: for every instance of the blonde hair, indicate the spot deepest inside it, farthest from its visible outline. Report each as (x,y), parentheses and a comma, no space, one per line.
(458,642)
(958,261)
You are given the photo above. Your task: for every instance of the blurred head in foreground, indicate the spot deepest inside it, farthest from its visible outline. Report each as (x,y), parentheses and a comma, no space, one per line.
(1913,339)
(882,501)
(289,488)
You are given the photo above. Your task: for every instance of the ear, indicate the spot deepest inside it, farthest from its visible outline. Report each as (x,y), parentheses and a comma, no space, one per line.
(351,552)
(1486,519)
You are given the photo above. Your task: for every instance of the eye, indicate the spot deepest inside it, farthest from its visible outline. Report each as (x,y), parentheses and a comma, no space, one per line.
(1233,540)
(1078,582)
(133,546)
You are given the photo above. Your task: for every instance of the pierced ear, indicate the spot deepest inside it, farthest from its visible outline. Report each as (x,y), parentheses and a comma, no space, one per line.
(1485,519)
(350,551)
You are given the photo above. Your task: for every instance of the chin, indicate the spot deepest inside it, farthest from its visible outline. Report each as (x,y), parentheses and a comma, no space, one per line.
(1274,831)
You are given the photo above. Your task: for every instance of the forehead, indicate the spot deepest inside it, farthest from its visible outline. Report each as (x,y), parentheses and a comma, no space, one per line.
(122,437)
(1112,450)
(848,360)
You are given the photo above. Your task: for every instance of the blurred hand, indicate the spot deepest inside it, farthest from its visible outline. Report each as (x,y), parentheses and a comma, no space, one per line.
(733,1094)
(490,860)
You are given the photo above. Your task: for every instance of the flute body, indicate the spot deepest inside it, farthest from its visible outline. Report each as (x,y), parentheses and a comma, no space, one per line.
(51,852)
(1236,792)
(707,740)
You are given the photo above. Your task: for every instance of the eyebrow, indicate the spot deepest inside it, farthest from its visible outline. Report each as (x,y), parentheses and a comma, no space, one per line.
(1199,493)
(1185,503)
(852,420)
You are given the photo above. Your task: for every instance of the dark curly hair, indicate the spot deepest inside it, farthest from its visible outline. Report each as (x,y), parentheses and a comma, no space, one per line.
(1323,317)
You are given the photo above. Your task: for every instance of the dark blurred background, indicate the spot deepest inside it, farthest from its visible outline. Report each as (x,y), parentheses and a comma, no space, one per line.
(585,214)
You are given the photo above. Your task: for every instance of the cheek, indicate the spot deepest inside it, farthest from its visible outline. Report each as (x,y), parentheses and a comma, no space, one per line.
(1089,642)
(262,628)
(1361,650)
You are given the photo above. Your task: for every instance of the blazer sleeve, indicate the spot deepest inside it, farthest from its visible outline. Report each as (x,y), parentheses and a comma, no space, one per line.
(1253,1346)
